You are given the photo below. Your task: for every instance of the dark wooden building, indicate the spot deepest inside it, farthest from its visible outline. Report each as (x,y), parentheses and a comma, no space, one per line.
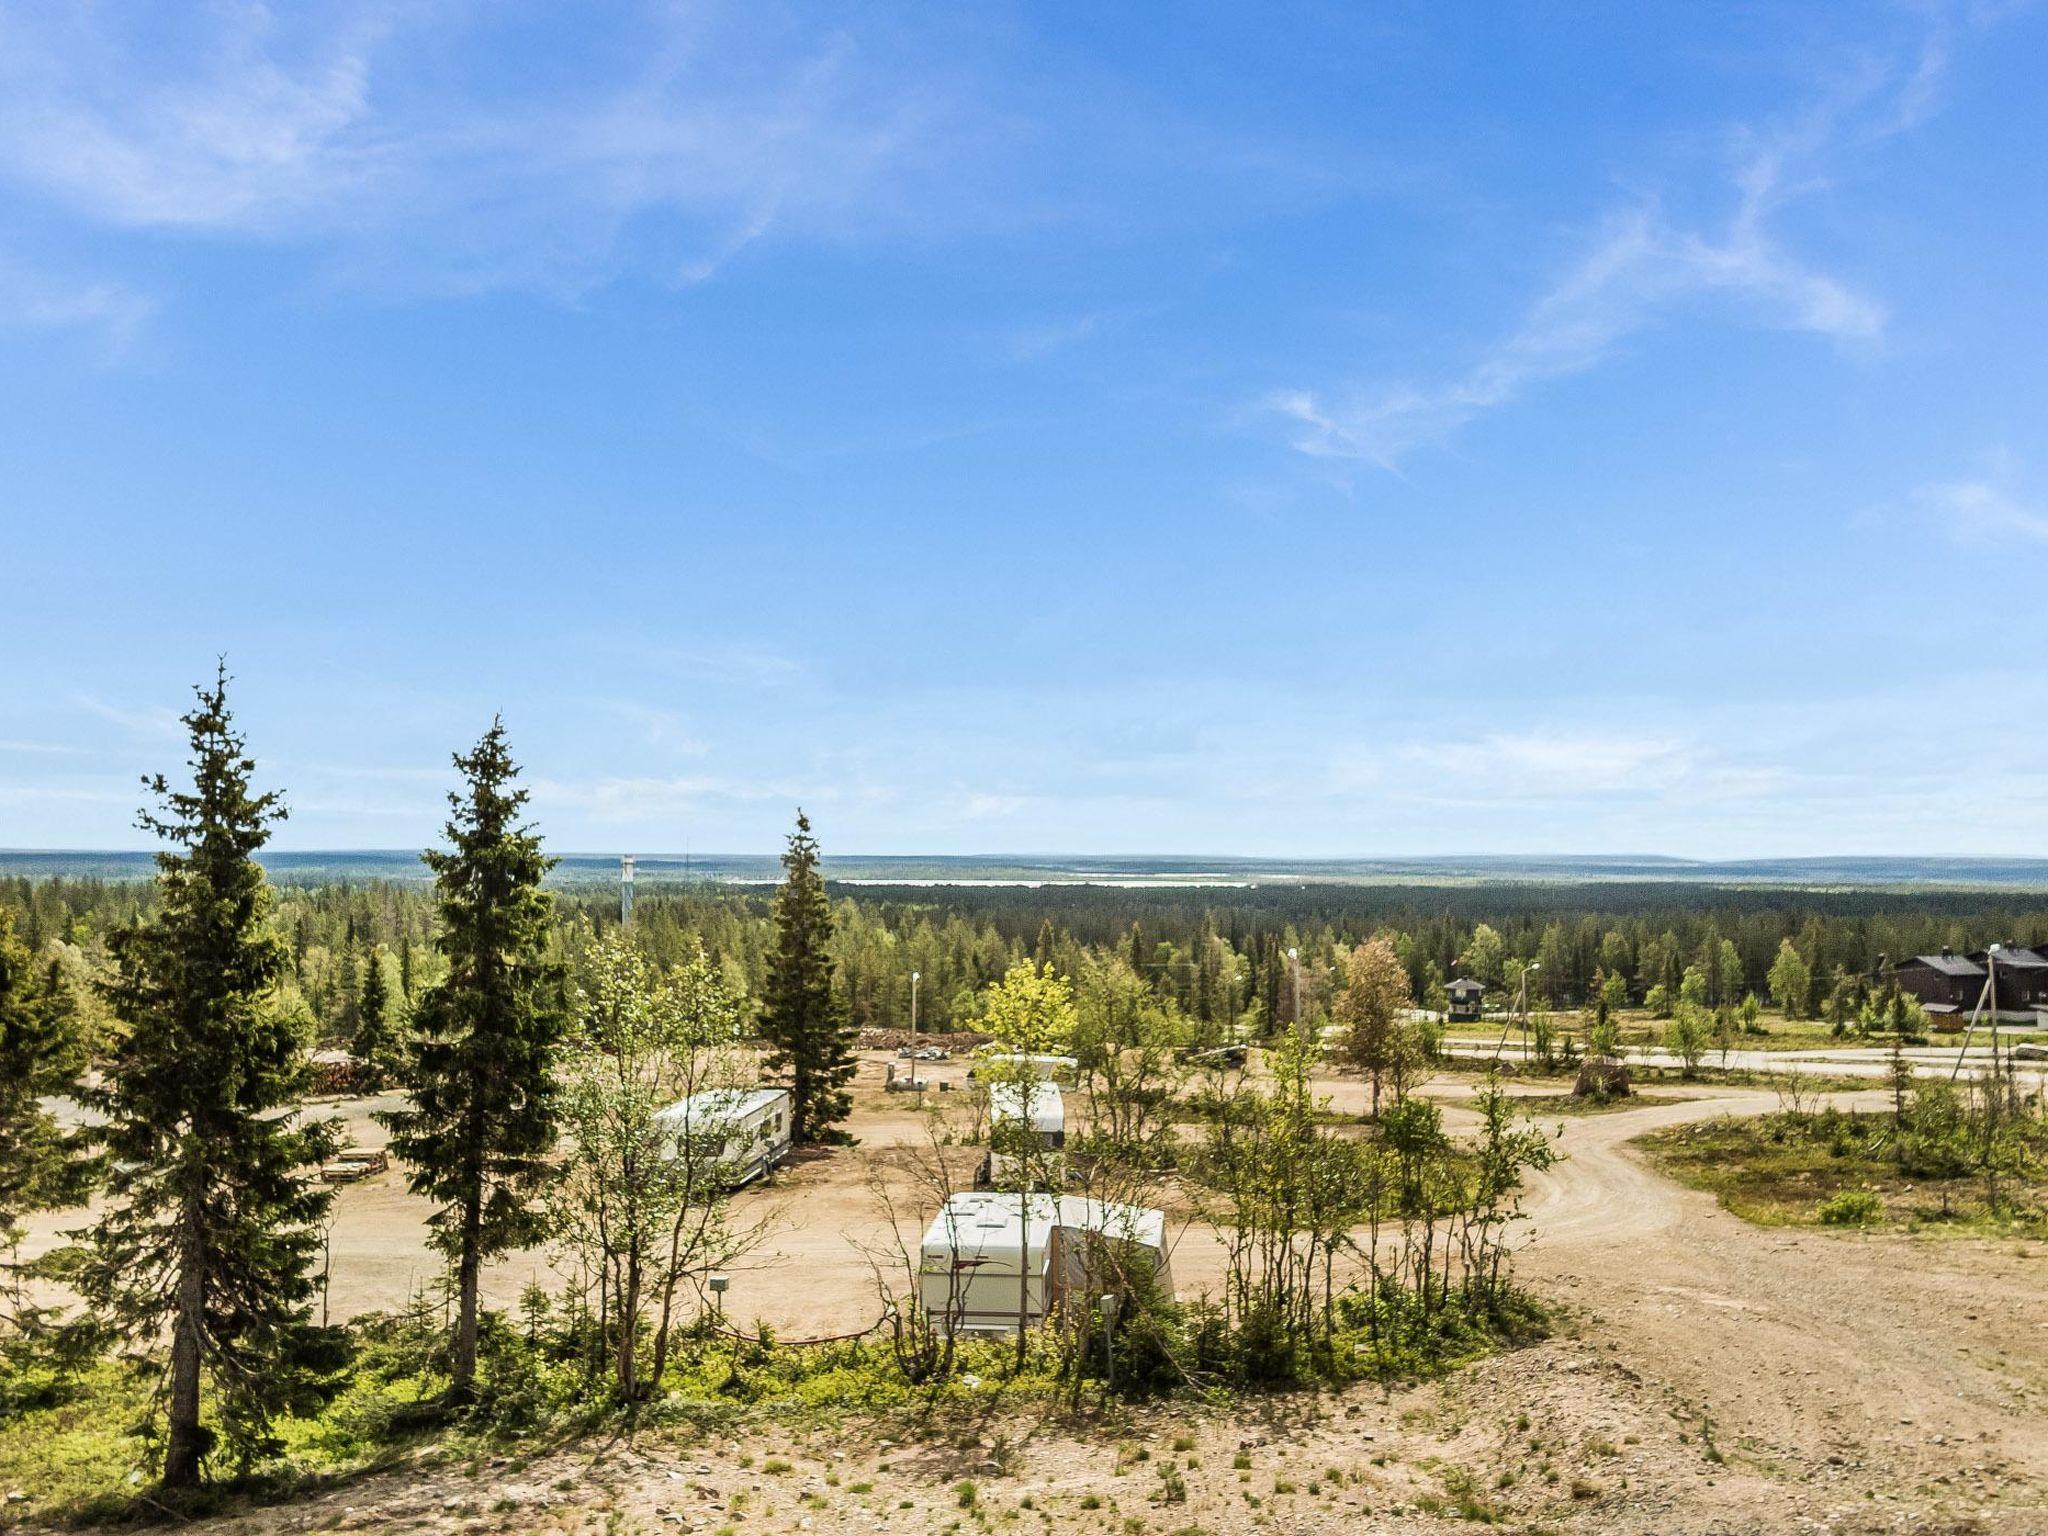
(1944,983)
(2022,977)
(1949,983)
(1466,996)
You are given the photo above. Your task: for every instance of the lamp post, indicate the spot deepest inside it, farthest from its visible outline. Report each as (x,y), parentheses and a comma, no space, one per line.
(1294,964)
(916,1081)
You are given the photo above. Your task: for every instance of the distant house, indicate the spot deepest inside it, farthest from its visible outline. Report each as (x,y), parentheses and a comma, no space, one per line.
(2022,976)
(1944,983)
(1948,984)
(1466,996)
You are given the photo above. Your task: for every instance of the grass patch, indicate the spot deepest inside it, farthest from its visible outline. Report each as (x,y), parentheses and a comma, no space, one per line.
(1835,1169)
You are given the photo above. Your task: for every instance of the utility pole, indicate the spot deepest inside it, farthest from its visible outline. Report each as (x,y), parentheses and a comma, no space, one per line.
(1990,995)
(1522,1008)
(626,891)
(914,1078)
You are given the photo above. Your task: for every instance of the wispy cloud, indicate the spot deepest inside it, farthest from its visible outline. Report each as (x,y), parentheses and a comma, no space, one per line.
(1983,512)
(1643,264)
(664,728)
(439,148)
(654,799)
(301,126)
(110,314)
(1029,343)
(723,662)
(155,722)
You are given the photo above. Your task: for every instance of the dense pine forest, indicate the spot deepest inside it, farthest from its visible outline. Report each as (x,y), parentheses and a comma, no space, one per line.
(1219,955)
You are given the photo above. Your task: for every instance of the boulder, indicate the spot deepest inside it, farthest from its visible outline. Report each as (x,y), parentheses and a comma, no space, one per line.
(1602,1077)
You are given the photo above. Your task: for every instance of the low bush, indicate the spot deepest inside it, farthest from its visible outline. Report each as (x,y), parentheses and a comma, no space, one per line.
(1852,1208)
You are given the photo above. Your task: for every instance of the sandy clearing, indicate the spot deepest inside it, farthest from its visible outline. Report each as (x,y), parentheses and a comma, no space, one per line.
(1855,1383)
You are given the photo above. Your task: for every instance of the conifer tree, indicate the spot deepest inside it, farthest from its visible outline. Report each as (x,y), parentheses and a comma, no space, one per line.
(373,1042)
(809,1037)
(478,1069)
(210,1231)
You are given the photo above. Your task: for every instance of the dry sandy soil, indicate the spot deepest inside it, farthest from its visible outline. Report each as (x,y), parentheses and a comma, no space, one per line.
(1713,1377)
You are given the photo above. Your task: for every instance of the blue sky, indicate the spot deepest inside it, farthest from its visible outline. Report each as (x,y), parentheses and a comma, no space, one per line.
(1293,429)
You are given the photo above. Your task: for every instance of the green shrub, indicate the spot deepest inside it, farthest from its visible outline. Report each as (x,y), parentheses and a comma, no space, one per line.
(1852,1208)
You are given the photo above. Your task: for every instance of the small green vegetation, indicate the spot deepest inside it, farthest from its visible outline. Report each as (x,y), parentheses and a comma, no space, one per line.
(1965,1159)
(1852,1208)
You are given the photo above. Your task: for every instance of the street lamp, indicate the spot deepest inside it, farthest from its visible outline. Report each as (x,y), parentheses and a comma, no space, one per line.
(1294,964)
(916,1081)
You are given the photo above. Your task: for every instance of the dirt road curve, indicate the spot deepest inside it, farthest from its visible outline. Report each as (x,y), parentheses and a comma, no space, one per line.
(1714,1379)
(1901,1364)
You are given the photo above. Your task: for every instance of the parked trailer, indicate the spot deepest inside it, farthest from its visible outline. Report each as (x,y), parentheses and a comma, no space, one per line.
(988,1258)
(746,1129)
(1017,1111)
(1018,1064)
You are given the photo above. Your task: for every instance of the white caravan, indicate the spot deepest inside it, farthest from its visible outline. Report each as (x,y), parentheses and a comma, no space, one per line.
(1027,1127)
(1019,1064)
(989,1260)
(745,1129)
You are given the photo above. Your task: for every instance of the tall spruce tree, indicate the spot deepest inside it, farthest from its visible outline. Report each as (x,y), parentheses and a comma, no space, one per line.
(478,1069)
(810,1039)
(211,1227)
(374,1042)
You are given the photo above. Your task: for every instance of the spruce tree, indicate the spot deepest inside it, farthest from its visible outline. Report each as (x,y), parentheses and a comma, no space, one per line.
(372,1044)
(809,1038)
(211,1227)
(478,1069)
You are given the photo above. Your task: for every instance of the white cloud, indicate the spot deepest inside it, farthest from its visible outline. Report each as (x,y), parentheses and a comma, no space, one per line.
(1029,343)
(664,728)
(452,148)
(243,126)
(656,799)
(1981,512)
(733,663)
(356,127)
(1643,264)
(154,721)
(111,314)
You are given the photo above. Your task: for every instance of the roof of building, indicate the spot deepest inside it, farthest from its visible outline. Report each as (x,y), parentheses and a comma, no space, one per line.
(1947,965)
(976,1221)
(1466,984)
(720,1104)
(2013,957)
(1037,1102)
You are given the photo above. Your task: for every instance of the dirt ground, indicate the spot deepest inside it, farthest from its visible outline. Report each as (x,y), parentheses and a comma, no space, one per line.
(1713,1377)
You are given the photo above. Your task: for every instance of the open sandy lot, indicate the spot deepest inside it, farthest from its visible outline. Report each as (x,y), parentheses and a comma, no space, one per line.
(1714,1377)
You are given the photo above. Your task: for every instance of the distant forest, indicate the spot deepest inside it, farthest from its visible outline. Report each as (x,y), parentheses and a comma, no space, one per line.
(1220,955)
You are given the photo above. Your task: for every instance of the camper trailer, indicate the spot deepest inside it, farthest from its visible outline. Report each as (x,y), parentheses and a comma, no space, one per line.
(1027,1127)
(1018,1064)
(989,1260)
(745,1129)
